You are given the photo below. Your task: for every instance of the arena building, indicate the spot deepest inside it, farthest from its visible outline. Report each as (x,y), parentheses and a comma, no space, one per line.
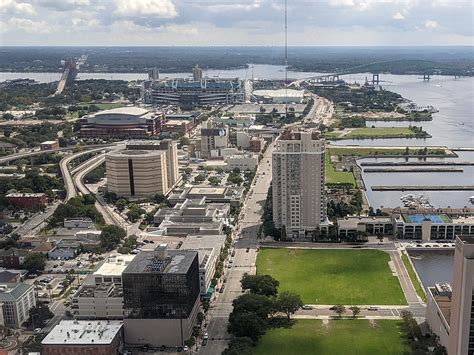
(125,122)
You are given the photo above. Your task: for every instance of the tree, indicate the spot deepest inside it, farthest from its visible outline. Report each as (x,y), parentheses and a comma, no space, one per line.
(339,309)
(134,213)
(121,204)
(183,141)
(247,324)
(190,342)
(38,316)
(288,302)
(34,263)
(213,180)
(355,311)
(111,236)
(260,284)
(199,178)
(380,237)
(259,305)
(239,346)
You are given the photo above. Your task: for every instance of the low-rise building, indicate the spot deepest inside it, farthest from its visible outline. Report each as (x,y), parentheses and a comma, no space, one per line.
(242,162)
(112,268)
(433,226)
(180,127)
(16,300)
(84,338)
(354,228)
(256,144)
(230,195)
(192,211)
(78,223)
(208,248)
(64,251)
(27,200)
(104,301)
(13,257)
(8,147)
(48,145)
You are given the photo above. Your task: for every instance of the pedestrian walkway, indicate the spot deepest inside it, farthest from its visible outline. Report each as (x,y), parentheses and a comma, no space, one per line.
(405,281)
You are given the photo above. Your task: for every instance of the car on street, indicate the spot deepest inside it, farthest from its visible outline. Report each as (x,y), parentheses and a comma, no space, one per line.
(372,308)
(186,348)
(307,307)
(206,335)
(333,308)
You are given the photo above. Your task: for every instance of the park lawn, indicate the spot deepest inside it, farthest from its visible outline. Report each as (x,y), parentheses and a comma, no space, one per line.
(414,280)
(347,336)
(329,276)
(333,176)
(376,132)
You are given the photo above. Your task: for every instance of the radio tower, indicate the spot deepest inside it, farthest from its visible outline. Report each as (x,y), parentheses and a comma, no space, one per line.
(286,61)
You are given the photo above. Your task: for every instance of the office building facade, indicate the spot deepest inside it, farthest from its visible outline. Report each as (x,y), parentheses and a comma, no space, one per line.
(137,173)
(213,137)
(16,300)
(161,297)
(299,203)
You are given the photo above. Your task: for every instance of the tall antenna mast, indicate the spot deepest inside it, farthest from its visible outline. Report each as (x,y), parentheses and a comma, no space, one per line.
(286,60)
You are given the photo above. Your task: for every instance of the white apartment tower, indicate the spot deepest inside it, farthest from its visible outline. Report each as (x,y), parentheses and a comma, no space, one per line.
(461,332)
(299,203)
(197,73)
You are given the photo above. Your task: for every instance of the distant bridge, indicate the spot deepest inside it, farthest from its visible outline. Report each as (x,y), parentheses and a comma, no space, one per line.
(68,76)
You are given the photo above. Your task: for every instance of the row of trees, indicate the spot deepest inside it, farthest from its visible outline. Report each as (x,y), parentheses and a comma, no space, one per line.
(259,310)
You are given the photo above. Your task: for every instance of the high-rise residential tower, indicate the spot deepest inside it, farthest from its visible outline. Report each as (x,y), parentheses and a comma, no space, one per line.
(461,332)
(299,203)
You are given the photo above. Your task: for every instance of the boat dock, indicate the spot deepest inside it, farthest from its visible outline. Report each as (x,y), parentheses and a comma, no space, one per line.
(414,170)
(423,188)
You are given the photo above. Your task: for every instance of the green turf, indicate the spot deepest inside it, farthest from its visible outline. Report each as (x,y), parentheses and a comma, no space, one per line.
(338,337)
(414,280)
(360,152)
(334,177)
(333,276)
(376,132)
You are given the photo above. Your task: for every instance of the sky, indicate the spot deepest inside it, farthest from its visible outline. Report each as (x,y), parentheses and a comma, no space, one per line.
(236,23)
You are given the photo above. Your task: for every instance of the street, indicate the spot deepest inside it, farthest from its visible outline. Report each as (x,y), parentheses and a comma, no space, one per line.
(244,261)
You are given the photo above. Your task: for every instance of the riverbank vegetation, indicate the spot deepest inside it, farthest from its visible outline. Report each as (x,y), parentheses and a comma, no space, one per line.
(414,280)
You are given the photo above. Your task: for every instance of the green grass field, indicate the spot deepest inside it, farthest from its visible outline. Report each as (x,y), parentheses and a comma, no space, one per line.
(338,337)
(334,177)
(414,280)
(333,276)
(377,132)
(360,152)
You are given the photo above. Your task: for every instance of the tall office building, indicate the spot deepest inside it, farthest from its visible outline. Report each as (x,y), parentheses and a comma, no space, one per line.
(161,297)
(299,203)
(461,329)
(213,137)
(153,74)
(137,173)
(197,73)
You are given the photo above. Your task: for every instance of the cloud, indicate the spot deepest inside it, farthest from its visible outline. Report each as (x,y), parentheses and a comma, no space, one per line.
(16,7)
(63,5)
(161,8)
(398,16)
(431,24)
(25,25)
(235,7)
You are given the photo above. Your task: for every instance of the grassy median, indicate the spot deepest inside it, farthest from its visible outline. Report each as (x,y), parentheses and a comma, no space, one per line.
(333,276)
(414,280)
(355,336)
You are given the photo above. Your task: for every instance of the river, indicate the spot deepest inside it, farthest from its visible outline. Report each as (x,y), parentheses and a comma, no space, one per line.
(433,266)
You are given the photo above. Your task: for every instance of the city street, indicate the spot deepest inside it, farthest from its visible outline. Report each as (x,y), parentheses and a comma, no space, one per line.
(244,261)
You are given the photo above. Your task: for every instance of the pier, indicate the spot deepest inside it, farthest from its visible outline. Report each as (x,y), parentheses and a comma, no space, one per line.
(423,188)
(417,163)
(414,170)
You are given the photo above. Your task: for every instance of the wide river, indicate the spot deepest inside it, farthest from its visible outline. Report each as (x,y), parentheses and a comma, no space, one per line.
(452,126)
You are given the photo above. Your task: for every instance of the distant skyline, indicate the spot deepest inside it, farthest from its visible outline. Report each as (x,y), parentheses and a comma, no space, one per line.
(236,23)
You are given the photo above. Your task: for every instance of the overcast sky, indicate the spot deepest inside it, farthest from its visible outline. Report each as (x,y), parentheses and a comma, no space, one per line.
(239,22)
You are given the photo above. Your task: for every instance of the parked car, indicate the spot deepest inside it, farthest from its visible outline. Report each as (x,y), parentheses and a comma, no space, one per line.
(373,308)
(307,307)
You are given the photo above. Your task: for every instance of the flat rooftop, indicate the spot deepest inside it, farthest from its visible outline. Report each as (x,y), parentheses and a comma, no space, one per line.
(443,301)
(207,190)
(352,222)
(74,332)
(195,242)
(115,265)
(177,262)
